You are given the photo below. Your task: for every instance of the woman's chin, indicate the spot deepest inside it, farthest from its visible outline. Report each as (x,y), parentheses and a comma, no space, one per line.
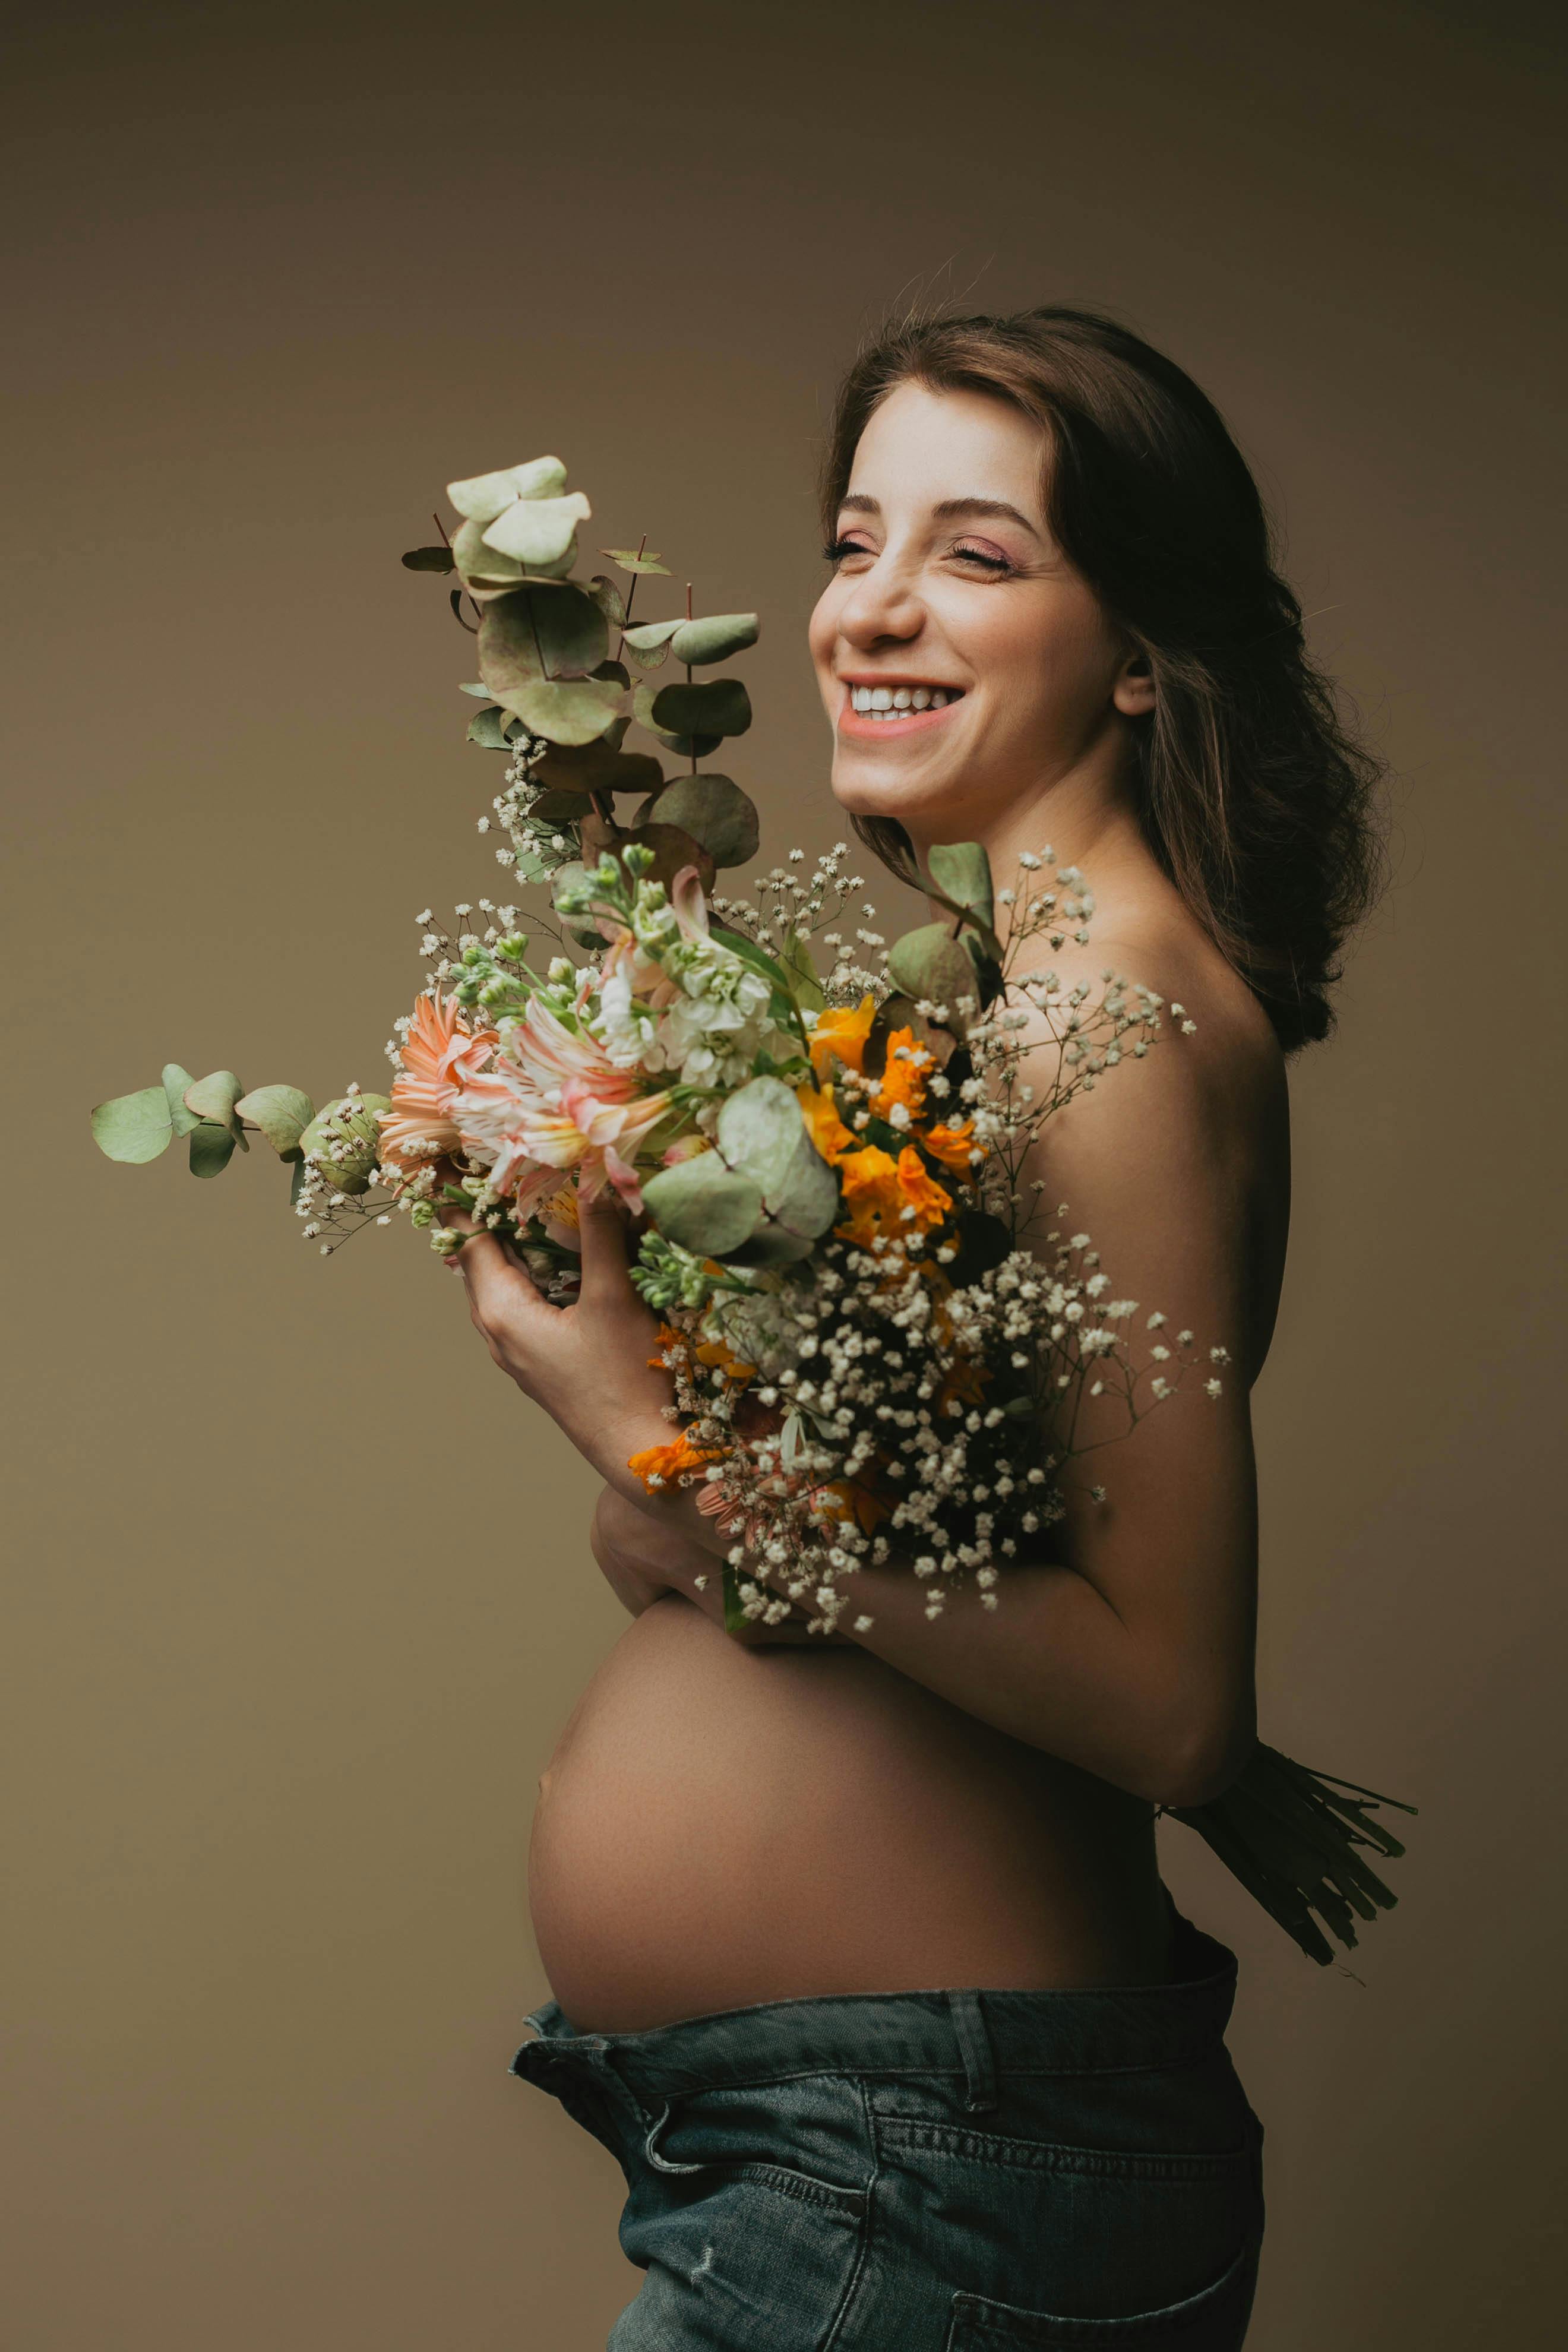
(864,788)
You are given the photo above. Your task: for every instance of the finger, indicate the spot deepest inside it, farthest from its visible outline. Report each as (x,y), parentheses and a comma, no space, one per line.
(499,1291)
(602,1226)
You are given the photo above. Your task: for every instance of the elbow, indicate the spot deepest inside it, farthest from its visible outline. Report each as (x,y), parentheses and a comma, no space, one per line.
(1201,1751)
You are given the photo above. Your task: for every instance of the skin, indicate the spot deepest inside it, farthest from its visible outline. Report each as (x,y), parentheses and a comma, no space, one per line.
(1116,1676)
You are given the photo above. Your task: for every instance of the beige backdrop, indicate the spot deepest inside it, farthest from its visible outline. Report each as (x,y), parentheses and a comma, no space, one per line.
(300,1591)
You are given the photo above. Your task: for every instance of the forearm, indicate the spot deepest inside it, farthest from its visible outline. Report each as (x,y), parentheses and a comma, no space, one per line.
(1053,1664)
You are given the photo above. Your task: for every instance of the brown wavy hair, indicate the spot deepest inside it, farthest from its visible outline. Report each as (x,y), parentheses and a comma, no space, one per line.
(1255,794)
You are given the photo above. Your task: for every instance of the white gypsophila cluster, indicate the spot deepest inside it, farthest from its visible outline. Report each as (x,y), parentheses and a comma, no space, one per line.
(785,908)
(909,1412)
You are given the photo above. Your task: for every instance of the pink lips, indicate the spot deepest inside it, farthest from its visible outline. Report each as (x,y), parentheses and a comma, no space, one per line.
(867,730)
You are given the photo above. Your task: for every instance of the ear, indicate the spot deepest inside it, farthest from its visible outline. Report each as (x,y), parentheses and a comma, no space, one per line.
(1133,692)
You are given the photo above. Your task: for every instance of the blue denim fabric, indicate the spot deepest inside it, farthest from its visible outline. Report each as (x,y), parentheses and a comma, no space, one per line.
(944,2171)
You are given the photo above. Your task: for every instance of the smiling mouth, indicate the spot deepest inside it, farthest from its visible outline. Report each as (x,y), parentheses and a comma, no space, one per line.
(887,703)
(872,711)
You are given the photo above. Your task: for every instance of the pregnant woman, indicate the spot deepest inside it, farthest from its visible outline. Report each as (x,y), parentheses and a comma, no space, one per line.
(862,1962)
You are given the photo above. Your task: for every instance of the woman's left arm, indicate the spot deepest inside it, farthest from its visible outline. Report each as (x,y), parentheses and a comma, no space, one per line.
(1130,1654)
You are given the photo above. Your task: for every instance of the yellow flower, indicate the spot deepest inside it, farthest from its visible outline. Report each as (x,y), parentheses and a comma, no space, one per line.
(904,1079)
(823,1124)
(664,1466)
(841,1035)
(923,1194)
(952,1146)
(878,1189)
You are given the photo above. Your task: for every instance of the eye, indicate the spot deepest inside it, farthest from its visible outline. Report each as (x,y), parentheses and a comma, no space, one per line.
(840,549)
(985,558)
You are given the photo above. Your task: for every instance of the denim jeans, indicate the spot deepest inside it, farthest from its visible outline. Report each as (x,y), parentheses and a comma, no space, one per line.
(944,2171)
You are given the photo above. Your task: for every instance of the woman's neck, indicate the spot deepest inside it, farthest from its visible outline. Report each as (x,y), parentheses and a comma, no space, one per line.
(1085,817)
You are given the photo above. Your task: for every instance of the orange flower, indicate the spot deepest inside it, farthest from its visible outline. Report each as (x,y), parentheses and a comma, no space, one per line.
(870,1179)
(878,1189)
(952,1146)
(823,1124)
(841,1035)
(924,1195)
(904,1079)
(720,1357)
(849,1500)
(664,1466)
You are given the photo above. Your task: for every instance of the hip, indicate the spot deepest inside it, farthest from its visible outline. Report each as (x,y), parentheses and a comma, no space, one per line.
(936,2170)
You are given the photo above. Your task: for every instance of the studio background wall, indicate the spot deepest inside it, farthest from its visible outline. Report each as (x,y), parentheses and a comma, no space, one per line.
(298,1591)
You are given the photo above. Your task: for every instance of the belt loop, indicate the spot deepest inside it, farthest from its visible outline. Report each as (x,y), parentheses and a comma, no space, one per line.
(974,2047)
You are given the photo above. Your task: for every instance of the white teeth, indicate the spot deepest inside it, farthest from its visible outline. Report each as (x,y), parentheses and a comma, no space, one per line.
(886,703)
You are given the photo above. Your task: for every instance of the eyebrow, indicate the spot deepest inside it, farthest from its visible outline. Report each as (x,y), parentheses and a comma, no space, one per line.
(948,510)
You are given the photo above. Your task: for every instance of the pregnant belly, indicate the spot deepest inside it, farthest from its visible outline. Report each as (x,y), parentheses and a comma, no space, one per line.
(721,1825)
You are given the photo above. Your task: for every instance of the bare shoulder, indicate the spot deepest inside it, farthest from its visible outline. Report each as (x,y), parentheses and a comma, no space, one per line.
(1176,1160)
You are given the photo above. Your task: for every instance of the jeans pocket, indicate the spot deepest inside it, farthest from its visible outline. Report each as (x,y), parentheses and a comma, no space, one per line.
(792,2145)
(738,2250)
(1214,2320)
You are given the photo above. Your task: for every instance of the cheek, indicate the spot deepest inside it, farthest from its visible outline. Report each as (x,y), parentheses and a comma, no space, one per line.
(822,629)
(1053,657)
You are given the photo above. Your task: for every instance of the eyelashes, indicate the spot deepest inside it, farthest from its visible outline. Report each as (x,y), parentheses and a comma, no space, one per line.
(997,566)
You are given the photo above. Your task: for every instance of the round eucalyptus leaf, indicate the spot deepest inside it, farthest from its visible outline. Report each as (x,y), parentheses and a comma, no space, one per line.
(651,636)
(344,1140)
(558,809)
(716,812)
(509,649)
(477,564)
(537,531)
(609,600)
(720,707)
(715,638)
(484,496)
(596,768)
(564,710)
(772,1245)
(759,1127)
(133,1127)
(487,728)
(673,848)
(930,963)
(702,1205)
(176,1081)
(571,632)
(963,870)
(214,1098)
(987,970)
(900,1013)
(211,1148)
(429,559)
(282,1113)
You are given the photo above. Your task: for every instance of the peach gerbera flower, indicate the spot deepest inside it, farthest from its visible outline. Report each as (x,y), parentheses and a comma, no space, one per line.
(440,1056)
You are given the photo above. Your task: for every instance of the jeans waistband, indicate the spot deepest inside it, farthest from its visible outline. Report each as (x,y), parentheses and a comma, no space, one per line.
(969,2032)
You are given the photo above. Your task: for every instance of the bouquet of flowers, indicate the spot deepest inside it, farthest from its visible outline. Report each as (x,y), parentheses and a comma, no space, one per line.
(879,1338)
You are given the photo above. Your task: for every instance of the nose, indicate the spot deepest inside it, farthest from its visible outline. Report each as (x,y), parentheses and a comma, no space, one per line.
(882,609)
